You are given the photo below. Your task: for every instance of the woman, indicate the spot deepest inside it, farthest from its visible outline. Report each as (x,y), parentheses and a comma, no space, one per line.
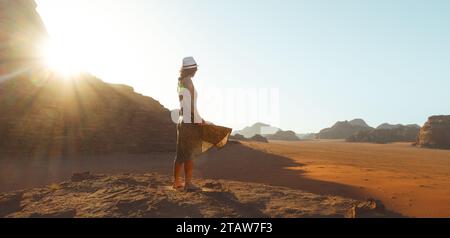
(194,135)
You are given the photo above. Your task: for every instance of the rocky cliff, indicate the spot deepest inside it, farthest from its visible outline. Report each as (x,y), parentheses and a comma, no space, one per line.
(343,129)
(41,113)
(22,33)
(397,133)
(435,133)
(256,138)
(283,135)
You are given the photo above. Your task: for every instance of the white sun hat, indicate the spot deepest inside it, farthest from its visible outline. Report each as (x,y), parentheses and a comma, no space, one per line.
(189,63)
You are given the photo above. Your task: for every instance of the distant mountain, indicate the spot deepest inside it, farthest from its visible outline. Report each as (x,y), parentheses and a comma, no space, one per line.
(257,138)
(343,129)
(390,126)
(435,133)
(257,129)
(283,135)
(307,136)
(387,126)
(358,122)
(395,133)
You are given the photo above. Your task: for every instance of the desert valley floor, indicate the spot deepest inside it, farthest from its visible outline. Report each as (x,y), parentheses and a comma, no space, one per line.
(412,181)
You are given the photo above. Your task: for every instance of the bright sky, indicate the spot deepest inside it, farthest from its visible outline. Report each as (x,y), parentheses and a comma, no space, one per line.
(380,60)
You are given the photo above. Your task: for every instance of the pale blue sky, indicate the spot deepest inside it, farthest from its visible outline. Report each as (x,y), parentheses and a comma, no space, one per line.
(383,61)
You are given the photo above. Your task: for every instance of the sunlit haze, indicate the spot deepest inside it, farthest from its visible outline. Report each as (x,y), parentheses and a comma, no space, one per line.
(330,60)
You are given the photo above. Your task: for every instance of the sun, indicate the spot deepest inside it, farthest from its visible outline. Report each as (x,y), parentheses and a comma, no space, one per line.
(63,59)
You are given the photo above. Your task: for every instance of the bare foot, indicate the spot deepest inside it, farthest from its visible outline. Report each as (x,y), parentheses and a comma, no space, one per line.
(177,185)
(191,188)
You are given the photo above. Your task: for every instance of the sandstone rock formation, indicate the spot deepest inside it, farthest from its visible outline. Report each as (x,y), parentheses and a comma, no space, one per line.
(257,138)
(388,126)
(22,34)
(343,129)
(238,137)
(398,133)
(435,133)
(283,135)
(41,113)
(257,129)
(148,195)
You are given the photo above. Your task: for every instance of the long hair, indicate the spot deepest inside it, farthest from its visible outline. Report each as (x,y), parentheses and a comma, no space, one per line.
(186,73)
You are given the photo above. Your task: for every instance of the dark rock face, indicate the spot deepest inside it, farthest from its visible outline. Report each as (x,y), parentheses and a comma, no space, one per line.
(343,129)
(283,135)
(237,137)
(43,114)
(398,133)
(259,138)
(40,113)
(22,33)
(435,133)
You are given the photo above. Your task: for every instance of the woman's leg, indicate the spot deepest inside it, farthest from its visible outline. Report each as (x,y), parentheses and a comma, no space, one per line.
(188,172)
(177,169)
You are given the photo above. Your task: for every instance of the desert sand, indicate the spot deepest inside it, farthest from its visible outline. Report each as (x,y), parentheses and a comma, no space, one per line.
(412,181)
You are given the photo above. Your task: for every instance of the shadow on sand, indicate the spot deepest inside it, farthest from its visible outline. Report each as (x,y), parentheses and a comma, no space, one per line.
(241,163)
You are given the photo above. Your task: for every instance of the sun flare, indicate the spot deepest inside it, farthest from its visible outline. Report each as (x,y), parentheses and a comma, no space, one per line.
(66,60)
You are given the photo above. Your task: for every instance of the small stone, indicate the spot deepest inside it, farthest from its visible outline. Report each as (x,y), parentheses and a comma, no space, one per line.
(79,177)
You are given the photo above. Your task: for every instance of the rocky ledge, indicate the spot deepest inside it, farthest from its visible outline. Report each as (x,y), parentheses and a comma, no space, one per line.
(148,195)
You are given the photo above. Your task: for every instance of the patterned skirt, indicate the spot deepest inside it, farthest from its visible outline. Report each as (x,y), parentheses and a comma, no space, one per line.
(195,139)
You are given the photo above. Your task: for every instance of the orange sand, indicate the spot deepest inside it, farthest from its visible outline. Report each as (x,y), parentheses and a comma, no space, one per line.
(409,180)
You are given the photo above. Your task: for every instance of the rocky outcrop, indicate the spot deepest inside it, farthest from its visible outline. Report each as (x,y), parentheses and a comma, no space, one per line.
(259,138)
(435,133)
(372,208)
(256,138)
(22,34)
(283,135)
(238,137)
(45,115)
(387,126)
(343,129)
(257,129)
(150,195)
(398,133)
